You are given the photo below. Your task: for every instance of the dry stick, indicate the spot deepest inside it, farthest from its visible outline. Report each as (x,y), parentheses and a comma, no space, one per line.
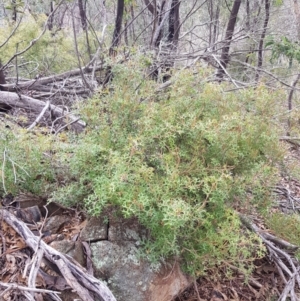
(71,279)
(274,251)
(26,288)
(224,69)
(279,241)
(3,171)
(252,281)
(196,289)
(77,53)
(36,263)
(66,125)
(40,116)
(80,275)
(288,288)
(50,79)
(264,71)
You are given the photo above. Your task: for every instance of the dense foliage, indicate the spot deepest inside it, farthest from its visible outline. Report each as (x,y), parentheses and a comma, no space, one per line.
(181,161)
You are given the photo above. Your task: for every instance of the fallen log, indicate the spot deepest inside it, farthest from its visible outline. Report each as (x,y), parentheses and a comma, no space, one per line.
(15,100)
(42,81)
(86,286)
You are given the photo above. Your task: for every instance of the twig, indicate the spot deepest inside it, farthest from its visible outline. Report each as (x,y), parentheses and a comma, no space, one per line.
(26,288)
(224,69)
(3,171)
(196,289)
(37,120)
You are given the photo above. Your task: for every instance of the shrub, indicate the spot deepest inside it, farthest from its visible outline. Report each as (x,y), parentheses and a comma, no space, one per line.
(26,161)
(179,164)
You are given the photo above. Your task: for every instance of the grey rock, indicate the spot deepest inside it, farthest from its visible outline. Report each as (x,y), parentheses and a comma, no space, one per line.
(129,277)
(121,229)
(72,248)
(54,223)
(95,229)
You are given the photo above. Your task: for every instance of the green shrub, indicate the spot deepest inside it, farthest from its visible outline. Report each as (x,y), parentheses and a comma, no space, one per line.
(179,164)
(26,161)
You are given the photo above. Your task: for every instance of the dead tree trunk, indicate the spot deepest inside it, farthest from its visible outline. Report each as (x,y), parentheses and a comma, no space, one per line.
(228,38)
(174,23)
(118,26)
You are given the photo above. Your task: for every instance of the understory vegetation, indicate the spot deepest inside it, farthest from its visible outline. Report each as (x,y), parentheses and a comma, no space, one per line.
(183,161)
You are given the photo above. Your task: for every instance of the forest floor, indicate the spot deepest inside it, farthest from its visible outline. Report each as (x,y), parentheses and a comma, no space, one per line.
(235,287)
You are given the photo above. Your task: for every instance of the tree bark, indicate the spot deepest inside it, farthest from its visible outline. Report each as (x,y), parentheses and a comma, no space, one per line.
(2,76)
(228,38)
(262,38)
(118,26)
(50,21)
(14,10)
(82,14)
(174,23)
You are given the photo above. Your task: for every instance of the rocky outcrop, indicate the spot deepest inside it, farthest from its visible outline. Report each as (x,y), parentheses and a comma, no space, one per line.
(116,260)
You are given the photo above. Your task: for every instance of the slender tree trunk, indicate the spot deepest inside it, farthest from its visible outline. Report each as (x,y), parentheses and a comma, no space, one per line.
(82,14)
(210,9)
(174,23)
(133,37)
(2,75)
(290,103)
(228,38)
(158,13)
(50,21)
(216,26)
(214,13)
(118,26)
(14,10)
(262,38)
(158,33)
(248,16)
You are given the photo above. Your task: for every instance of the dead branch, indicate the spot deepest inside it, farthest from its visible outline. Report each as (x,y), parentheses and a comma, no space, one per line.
(37,120)
(287,266)
(25,288)
(32,84)
(85,285)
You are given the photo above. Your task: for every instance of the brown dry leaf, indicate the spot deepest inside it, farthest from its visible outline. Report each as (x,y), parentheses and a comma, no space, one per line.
(10,263)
